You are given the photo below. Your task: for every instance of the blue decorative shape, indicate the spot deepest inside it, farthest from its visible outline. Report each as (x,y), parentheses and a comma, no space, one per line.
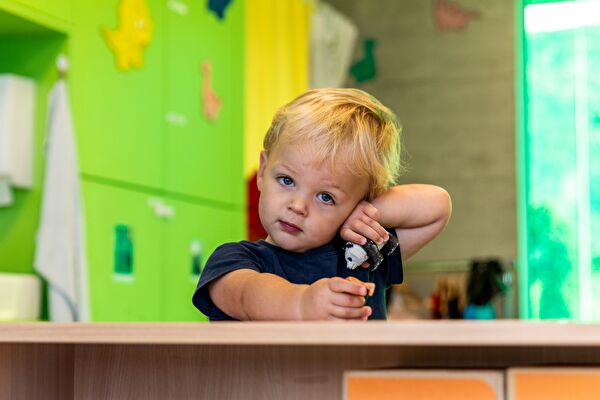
(219,7)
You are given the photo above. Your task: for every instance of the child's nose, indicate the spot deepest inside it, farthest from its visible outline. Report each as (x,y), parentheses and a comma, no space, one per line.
(298,205)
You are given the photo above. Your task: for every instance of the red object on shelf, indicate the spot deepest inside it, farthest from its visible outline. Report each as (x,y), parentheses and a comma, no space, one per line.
(255,230)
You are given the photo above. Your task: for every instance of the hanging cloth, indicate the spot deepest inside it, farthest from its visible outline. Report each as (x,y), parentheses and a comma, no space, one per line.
(332,40)
(60,254)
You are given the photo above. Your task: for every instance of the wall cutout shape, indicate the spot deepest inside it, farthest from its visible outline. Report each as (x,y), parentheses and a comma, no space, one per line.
(365,69)
(218,7)
(134,33)
(452,17)
(211,104)
(123,251)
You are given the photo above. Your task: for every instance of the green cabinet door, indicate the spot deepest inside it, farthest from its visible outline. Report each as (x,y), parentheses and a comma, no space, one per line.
(123,243)
(190,236)
(117,114)
(204,156)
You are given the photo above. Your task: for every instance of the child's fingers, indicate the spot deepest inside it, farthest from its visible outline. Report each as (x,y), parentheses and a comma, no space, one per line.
(340,285)
(347,300)
(378,234)
(370,210)
(350,312)
(375,232)
(368,228)
(350,236)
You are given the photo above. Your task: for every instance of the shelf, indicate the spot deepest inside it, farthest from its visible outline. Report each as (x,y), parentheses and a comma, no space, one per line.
(506,333)
(18,19)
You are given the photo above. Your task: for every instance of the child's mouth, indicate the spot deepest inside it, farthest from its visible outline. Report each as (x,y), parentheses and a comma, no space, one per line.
(289,228)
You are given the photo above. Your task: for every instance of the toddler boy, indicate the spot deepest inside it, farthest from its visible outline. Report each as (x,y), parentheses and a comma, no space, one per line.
(327,173)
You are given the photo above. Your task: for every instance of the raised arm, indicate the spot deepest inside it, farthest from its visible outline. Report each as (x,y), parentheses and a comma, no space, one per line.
(249,295)
(418,212)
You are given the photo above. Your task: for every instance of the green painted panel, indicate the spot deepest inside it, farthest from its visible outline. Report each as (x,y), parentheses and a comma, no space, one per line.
(32,56)
(11,24)
(118,115)
(56,8)
(121,296)
(189,238)
(35,16)
(204,158)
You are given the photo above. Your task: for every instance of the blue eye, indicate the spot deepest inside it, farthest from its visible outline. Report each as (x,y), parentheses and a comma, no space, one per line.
(285,180)
(326,198)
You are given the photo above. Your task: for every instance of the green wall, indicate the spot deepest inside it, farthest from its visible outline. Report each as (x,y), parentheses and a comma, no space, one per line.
(142,138)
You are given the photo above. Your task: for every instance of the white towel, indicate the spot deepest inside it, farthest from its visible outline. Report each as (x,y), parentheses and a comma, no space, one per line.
(61,254)
(17,99)
(332,40)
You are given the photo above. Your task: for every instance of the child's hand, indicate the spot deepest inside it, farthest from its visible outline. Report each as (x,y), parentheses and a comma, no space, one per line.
(335,298)
(362,224)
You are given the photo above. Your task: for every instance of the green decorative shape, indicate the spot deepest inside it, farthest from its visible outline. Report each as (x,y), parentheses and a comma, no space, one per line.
(365,69)
(123,250)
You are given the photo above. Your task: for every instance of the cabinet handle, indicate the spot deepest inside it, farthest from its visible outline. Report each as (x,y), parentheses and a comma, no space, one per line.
(178,7)
(176,119)
(161,209)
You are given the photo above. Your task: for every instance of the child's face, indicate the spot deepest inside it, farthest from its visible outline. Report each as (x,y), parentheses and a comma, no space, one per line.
(303,205)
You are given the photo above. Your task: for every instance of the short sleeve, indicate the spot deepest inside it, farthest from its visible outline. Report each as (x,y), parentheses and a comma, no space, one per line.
(226,258)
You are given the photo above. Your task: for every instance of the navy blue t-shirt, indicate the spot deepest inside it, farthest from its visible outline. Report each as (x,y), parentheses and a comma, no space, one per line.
(300,268)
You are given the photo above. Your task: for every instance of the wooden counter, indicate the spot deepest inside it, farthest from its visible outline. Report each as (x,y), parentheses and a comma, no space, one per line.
(263,360)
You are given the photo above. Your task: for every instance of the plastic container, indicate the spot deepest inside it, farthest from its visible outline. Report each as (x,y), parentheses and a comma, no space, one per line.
(19,297)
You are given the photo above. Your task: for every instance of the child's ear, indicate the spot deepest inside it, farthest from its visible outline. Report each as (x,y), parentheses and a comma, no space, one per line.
(261,169)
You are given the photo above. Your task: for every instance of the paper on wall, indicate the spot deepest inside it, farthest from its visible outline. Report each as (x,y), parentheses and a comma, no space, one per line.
(17,99)
(332,40)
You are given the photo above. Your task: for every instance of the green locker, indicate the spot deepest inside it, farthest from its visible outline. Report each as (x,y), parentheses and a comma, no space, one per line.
(202,154)
(124,251)
(145,253)
(189,237)
(143,131)
(117,114)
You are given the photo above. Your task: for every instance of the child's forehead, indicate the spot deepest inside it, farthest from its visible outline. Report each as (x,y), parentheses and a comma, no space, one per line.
(308,155)
(302,162)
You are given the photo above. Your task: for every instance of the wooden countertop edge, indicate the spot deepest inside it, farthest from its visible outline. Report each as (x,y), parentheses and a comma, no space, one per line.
(380,333)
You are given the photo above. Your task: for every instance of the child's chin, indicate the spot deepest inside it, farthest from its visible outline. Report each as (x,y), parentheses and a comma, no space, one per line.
(290,245)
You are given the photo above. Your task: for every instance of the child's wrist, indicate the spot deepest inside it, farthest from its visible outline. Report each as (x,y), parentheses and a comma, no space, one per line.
(300,300)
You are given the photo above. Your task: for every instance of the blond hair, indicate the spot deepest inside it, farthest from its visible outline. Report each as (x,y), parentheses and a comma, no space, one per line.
(346,126)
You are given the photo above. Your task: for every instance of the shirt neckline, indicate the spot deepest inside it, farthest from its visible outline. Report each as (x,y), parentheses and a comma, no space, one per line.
(328,248)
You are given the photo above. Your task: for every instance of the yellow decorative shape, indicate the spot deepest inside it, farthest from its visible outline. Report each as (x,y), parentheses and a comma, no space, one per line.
(132,36)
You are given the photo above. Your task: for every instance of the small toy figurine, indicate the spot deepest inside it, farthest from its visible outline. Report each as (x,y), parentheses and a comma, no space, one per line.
(357,254)
(369,285)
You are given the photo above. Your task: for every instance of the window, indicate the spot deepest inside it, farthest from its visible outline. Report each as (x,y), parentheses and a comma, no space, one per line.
(559,157)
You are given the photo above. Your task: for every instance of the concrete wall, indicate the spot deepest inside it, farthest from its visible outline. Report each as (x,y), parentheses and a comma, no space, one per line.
(454,93)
